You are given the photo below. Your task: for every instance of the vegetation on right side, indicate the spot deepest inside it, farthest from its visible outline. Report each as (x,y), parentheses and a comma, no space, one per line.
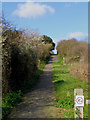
(65,83)
(72,75)
(76,54)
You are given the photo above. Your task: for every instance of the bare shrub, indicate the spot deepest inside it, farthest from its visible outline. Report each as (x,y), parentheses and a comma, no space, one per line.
(73,50)
(76,54)
(80,70)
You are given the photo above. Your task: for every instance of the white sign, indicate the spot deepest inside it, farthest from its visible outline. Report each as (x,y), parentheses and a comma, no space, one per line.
(79,100)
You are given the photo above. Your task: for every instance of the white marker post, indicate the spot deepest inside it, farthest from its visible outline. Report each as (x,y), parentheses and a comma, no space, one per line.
(63,60)
(79,103)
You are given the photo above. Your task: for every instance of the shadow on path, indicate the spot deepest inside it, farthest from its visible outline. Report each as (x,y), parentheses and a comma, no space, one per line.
(40,102)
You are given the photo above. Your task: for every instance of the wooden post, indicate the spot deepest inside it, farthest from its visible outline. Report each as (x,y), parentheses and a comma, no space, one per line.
(78,109)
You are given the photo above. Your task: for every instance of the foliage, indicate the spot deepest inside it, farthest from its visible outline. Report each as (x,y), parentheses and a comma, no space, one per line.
(73,50)
(47,39)
(76,54)
(23,52)
(66,103)
(23,59)
(9,101)
(27,85)
(65,83)
(16,61)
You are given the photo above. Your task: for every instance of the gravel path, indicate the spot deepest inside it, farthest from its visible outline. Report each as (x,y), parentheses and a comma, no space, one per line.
(40,102)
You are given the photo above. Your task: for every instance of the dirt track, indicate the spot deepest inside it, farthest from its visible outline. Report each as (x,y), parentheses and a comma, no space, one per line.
(40,102)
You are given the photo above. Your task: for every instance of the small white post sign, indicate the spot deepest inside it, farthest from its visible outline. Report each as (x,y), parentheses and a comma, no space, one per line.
(79,101)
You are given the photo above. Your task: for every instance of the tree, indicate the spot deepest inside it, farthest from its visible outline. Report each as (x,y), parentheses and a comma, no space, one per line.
(47,39)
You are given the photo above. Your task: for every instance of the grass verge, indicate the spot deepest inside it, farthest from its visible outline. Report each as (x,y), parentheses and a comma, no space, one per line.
(65,84)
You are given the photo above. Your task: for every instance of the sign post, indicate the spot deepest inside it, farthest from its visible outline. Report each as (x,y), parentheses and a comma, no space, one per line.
(79,103)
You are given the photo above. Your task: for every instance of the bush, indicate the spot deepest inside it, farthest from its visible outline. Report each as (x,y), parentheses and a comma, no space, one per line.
(19,62)
(10,100)
(76,54)
(80,70)
(73,50)
(23,52)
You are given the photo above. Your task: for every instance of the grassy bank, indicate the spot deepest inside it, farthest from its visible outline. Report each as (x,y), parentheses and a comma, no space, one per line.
(65,84)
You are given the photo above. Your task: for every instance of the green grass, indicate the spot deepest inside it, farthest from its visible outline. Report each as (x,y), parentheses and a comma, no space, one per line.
(65,85)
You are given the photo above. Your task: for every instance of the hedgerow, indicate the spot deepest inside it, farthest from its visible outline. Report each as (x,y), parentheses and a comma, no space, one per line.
(23,51)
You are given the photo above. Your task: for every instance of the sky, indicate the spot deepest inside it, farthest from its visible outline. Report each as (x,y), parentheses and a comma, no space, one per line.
(58,20)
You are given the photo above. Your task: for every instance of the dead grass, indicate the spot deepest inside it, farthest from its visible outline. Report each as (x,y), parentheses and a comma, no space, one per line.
(80,70)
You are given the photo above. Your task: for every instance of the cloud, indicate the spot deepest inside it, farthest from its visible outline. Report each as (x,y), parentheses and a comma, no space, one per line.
(80,36)
(77,35)
(32,10)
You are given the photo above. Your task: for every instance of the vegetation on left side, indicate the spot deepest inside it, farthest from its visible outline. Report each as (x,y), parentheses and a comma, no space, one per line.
(24,54)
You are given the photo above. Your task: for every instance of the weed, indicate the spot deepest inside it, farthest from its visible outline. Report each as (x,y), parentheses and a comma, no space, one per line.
(9,101)
(66,102)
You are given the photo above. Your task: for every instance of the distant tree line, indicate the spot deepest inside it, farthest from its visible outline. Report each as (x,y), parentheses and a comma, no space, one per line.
(73,50)
(75,54)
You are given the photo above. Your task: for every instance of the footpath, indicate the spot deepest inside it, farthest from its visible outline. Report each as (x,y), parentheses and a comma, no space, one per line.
(40,102)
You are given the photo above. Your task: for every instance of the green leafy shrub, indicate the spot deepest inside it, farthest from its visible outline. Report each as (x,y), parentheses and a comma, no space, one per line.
(9,101)
(12,99)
